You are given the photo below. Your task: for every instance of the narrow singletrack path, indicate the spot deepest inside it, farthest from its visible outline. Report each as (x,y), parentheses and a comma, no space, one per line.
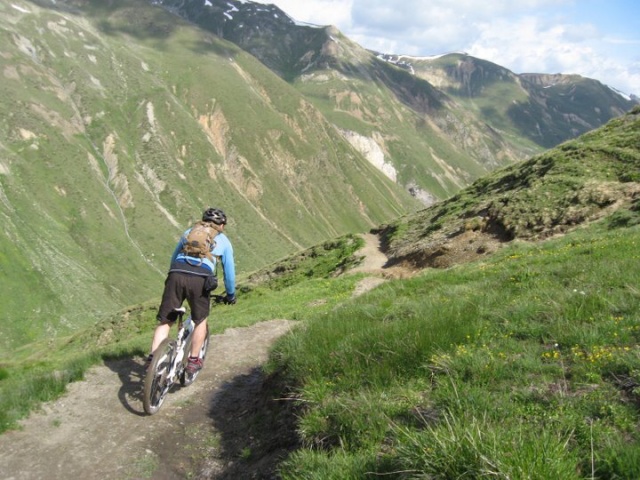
(98,430)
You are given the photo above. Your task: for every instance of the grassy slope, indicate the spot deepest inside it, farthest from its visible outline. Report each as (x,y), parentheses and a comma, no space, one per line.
(549,194)
(523,365)
(413,135)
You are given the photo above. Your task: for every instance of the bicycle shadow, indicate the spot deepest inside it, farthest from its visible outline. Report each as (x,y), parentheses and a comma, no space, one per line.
(131,374)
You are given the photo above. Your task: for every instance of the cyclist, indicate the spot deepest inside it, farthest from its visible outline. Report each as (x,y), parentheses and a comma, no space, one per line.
(187,280)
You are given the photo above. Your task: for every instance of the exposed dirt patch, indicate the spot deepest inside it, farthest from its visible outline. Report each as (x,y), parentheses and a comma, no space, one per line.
(496,224)
(466,247)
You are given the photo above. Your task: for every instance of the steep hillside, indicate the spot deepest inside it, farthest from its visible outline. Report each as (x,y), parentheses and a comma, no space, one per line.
(411,131)
(433,125)
(522,364)
(121,124)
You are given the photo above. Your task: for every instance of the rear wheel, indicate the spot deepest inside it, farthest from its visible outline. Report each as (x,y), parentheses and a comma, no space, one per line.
(156,382)
(188,378)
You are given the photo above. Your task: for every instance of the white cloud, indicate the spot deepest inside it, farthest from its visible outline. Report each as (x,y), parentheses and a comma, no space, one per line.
(319,12)
(529,45)
(544,36)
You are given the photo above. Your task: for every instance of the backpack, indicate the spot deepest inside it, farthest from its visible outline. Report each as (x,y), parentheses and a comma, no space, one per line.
(200,240)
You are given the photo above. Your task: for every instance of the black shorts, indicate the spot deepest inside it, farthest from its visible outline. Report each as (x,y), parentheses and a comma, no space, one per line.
(179,287)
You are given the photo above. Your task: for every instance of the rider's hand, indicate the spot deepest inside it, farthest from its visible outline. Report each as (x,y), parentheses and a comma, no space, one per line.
(230,299)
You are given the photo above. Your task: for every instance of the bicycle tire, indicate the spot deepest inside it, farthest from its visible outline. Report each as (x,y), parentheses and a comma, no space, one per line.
(187,378)
(155,382)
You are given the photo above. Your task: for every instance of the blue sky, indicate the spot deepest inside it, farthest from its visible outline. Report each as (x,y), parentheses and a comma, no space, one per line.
(598,39)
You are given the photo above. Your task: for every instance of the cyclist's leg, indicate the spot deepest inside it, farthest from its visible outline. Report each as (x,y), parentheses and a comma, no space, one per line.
(200,303)
(159,334)
(172,298)
(197,351)
(199,335)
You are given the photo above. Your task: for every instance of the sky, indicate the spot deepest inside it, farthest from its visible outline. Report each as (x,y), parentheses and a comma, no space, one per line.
(599,39)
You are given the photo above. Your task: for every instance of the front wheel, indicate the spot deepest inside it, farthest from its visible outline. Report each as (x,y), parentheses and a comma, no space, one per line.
(156,381)
(187,378)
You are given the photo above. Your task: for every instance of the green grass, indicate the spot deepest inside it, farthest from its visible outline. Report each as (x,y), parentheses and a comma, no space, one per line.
(523,366)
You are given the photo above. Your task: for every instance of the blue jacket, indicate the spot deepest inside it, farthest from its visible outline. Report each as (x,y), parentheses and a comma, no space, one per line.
(222,250)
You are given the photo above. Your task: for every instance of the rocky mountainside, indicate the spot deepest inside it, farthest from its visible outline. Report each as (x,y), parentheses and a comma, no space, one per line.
(459,116)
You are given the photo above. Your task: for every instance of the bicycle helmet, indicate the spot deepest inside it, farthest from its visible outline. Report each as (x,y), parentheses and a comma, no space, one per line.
(214,215)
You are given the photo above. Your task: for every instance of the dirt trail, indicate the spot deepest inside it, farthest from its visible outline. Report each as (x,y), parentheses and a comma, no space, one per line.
(98,430)
(374,260)
(374,264)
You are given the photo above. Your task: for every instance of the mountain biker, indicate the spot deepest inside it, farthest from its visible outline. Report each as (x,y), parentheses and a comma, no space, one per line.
(186,280)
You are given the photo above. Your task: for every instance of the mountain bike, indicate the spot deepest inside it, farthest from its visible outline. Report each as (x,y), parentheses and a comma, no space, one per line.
(169,363)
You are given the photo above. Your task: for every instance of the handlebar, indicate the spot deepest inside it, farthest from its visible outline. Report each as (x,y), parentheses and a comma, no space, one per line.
(217,298)
(221,299)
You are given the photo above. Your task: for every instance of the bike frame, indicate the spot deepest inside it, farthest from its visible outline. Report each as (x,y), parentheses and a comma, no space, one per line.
(185,330)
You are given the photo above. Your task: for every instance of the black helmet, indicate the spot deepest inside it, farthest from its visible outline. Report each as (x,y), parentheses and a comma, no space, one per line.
(214,215)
